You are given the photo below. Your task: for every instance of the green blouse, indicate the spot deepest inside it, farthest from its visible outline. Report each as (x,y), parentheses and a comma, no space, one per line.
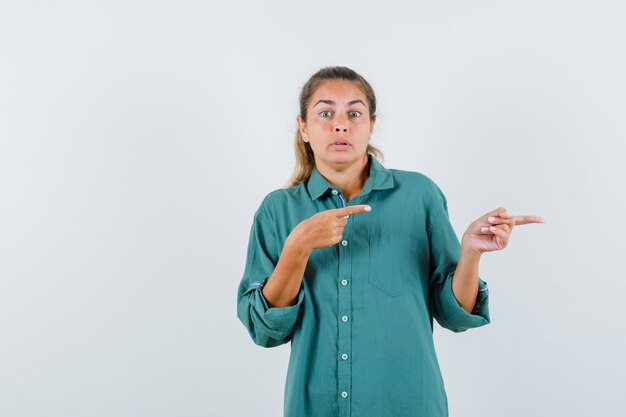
(361,331)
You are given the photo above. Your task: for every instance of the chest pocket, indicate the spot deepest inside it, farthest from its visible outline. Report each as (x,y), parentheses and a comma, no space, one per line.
(393,263)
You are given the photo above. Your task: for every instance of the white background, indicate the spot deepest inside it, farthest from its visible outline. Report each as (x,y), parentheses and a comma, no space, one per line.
(139,137)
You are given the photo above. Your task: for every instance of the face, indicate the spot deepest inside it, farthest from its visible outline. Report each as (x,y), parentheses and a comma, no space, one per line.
(338,125)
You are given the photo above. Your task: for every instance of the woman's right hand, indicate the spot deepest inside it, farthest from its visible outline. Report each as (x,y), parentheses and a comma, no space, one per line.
(323,229)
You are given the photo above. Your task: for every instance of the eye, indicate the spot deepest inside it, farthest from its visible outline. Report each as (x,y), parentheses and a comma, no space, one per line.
(356,113)
(325,112)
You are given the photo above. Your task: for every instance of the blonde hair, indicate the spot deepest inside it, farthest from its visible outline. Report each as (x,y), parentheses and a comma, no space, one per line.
(304,154)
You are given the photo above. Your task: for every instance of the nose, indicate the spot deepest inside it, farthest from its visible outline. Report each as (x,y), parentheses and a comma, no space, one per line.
(340,124)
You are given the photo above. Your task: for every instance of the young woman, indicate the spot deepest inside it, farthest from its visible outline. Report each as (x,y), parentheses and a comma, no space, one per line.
(352,261)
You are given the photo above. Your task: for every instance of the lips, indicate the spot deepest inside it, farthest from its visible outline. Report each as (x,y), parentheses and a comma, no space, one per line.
(339,145)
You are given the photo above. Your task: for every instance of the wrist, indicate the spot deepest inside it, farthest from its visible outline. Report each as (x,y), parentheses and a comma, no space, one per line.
(467,251)
(297,245)
(470,254)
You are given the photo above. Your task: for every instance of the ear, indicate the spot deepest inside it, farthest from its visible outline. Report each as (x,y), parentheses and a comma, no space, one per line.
(372,122)
(302,128)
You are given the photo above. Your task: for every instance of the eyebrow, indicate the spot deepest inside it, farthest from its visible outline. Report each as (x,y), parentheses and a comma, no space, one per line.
(332,102)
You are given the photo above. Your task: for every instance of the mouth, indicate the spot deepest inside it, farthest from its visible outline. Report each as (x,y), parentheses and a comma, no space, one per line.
(340,140)
(339,145)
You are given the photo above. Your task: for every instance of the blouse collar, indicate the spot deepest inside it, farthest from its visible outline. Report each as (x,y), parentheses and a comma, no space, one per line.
(380,178)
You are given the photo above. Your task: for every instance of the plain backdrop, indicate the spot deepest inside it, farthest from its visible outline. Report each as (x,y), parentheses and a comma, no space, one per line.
(139,137)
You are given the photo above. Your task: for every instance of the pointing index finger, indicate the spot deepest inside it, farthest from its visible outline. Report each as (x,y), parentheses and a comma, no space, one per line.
(348,210)
(528,219)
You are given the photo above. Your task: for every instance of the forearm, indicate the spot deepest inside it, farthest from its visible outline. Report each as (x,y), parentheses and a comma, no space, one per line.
(281,289)
(465,279)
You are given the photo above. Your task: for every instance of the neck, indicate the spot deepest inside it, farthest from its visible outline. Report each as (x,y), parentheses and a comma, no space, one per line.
(350,179)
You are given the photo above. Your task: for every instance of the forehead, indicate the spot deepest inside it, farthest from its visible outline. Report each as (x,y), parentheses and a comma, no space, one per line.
(339,91)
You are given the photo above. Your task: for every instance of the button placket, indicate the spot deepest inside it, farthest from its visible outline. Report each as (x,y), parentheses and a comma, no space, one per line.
(344,369)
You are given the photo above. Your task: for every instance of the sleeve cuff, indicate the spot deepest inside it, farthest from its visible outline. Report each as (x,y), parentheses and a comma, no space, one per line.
(455,316)
(277,322)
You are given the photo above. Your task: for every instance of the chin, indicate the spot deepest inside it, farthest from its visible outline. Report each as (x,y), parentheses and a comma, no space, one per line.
(345,158)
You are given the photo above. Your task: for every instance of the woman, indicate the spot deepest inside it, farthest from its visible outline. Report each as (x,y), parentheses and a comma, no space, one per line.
(352,261)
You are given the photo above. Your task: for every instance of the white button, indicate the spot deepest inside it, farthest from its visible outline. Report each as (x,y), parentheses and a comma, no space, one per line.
(344,318)
(344,394)
(334,192)
(344,356)
(344,282)
(344,242)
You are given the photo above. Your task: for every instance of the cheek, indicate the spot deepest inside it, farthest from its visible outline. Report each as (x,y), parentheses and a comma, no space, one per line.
(363,124)
(319,125)
(319,131)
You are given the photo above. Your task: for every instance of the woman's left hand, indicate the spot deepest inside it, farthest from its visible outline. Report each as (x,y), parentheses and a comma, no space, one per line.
(492,231)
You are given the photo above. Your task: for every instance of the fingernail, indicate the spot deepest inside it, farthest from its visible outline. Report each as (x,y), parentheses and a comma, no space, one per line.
(491,219)
(367,208)
(483,229)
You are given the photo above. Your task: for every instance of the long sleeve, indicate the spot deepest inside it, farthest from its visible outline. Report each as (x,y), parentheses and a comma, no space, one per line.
(268,327)
(445,250)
